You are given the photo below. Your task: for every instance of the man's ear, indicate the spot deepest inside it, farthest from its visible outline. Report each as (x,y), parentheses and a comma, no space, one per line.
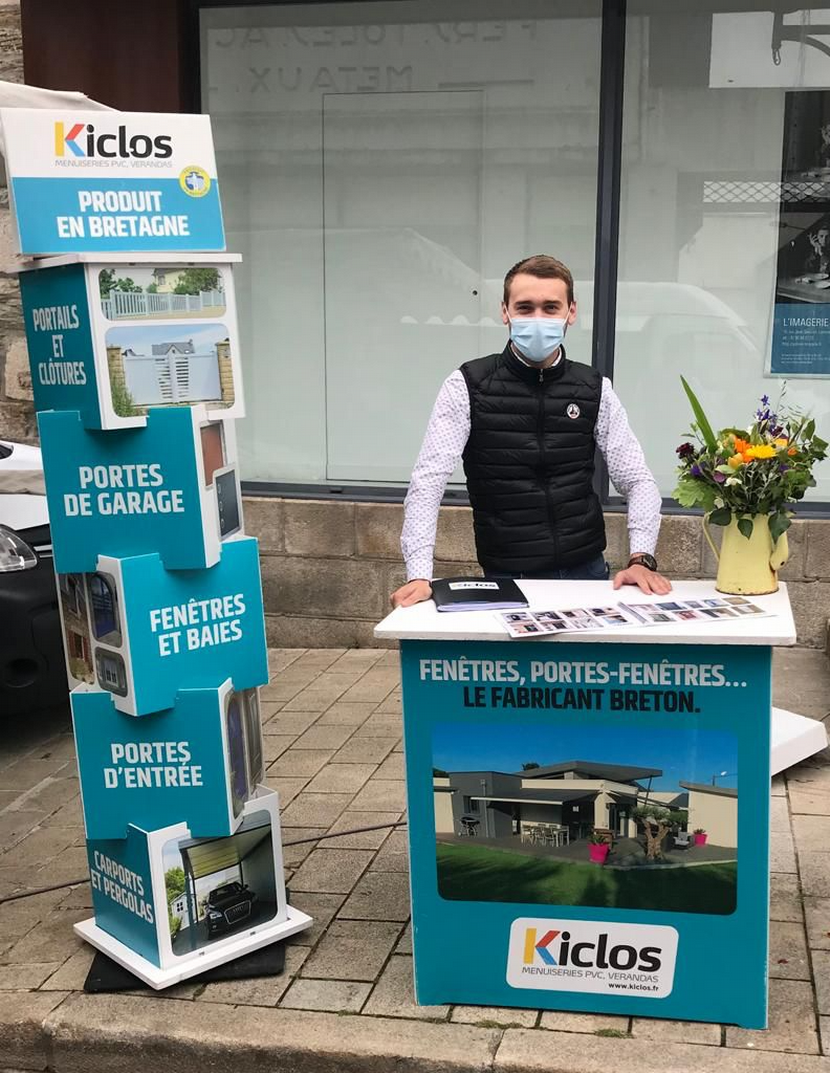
(571,314)
(504,317)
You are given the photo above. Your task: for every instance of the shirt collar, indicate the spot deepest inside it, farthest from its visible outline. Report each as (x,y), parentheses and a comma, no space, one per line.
(532,373)
(535,365)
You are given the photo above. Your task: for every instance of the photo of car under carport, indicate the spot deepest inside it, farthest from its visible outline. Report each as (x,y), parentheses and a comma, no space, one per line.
(218,886)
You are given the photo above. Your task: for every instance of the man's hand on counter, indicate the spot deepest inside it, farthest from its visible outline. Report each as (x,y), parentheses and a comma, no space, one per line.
(413,592)
(647,580)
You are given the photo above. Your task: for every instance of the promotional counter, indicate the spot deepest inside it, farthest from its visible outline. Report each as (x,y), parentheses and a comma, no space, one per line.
(589,814)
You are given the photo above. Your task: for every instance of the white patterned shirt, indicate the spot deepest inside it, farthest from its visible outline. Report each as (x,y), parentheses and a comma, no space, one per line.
(446,437)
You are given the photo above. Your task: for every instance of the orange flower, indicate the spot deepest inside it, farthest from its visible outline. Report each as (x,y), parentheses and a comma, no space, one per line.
(736,460)
(742,448)
(792,451)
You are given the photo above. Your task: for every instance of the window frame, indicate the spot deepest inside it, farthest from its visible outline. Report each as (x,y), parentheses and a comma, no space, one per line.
(607,234)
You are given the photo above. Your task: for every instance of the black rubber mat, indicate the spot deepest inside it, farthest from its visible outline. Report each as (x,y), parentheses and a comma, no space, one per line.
(106,975)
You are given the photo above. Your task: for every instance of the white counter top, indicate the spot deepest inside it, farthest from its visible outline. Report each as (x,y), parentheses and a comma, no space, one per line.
(423,622)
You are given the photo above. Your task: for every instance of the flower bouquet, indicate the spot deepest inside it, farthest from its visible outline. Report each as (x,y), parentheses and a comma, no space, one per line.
(746,479)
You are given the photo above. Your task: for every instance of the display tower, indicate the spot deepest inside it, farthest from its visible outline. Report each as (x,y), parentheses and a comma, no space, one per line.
(130,314)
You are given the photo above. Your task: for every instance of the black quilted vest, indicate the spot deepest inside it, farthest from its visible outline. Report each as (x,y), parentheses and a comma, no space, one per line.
(529,464)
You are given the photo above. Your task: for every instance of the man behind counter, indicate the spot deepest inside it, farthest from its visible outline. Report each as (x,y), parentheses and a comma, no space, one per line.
(526,423)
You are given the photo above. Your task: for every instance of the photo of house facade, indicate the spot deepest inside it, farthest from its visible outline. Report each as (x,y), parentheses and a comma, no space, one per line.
(576,797)
(590,831)
(76,634)
(714,809)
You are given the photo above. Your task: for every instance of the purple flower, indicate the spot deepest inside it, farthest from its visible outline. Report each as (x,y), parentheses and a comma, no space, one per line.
(719,477)
(686,450)
(783,468)
(765,400)
(696,470)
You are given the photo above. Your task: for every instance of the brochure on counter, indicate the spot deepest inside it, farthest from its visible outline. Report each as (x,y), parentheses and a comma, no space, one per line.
(579,619)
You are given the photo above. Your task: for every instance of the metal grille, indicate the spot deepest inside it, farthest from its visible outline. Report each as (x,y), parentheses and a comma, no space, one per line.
(743,191)
(238,912)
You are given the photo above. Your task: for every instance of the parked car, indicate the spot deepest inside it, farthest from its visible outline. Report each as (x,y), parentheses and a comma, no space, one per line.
(229,905)
(32,667)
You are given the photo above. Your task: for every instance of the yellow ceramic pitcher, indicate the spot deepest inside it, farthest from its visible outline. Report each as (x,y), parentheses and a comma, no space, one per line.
(748,567)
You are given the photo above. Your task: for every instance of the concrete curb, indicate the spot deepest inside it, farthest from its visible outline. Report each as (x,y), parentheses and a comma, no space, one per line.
(107,1032)
(116,1033)
(531,1051)
(24,1038)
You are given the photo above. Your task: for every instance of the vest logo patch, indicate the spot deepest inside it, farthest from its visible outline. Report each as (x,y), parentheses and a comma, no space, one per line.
(573,411)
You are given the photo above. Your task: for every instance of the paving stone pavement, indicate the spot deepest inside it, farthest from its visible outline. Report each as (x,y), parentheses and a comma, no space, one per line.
(333,742)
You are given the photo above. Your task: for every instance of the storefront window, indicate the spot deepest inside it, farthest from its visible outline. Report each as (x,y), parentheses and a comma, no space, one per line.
(382,166)
(724,194)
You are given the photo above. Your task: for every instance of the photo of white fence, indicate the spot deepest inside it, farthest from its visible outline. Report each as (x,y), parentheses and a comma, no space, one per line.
(169,365)
(143,292)
(131,304)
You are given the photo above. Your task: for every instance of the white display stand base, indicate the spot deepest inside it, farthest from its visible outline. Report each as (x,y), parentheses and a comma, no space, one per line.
(200,962)
(794,738)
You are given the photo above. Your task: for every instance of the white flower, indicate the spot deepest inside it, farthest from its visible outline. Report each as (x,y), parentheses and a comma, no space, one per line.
(732,480)
(719,500)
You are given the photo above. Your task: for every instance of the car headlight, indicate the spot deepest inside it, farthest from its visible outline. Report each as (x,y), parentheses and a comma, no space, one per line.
(214,914)
(15,554)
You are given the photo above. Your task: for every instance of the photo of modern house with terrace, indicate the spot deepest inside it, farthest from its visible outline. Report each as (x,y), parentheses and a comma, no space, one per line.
(592,831)
(571,799)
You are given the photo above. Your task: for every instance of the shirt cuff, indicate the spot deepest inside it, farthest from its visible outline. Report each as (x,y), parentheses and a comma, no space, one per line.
(419,566)
(641,540)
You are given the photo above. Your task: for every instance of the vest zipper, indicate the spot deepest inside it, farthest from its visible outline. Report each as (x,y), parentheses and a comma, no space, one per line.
(542,454)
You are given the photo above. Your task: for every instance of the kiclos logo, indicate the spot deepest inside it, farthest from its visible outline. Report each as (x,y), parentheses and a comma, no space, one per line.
(602,957)
(589,955)
(534,948)
(82,140)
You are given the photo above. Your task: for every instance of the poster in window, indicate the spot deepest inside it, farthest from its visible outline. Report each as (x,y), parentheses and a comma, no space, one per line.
(801,323)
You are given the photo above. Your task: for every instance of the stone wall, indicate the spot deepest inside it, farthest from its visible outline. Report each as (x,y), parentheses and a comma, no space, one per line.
(223,354)
(17,420)
(328,567)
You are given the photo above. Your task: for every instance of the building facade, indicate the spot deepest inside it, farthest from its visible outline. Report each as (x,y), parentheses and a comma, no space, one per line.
(382,165)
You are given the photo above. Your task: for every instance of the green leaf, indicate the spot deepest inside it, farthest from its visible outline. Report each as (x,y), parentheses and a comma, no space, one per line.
(728,470)
(702,421)
(745,526)
(722,516)
(688,495)
(809,429)
(779,523)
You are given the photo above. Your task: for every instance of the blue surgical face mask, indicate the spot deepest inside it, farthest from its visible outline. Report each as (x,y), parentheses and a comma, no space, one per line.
(537,337)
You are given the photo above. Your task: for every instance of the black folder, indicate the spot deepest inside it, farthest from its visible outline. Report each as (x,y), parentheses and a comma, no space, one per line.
(476,594)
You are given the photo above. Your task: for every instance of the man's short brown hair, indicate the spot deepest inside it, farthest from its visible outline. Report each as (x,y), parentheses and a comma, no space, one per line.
(543,267)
